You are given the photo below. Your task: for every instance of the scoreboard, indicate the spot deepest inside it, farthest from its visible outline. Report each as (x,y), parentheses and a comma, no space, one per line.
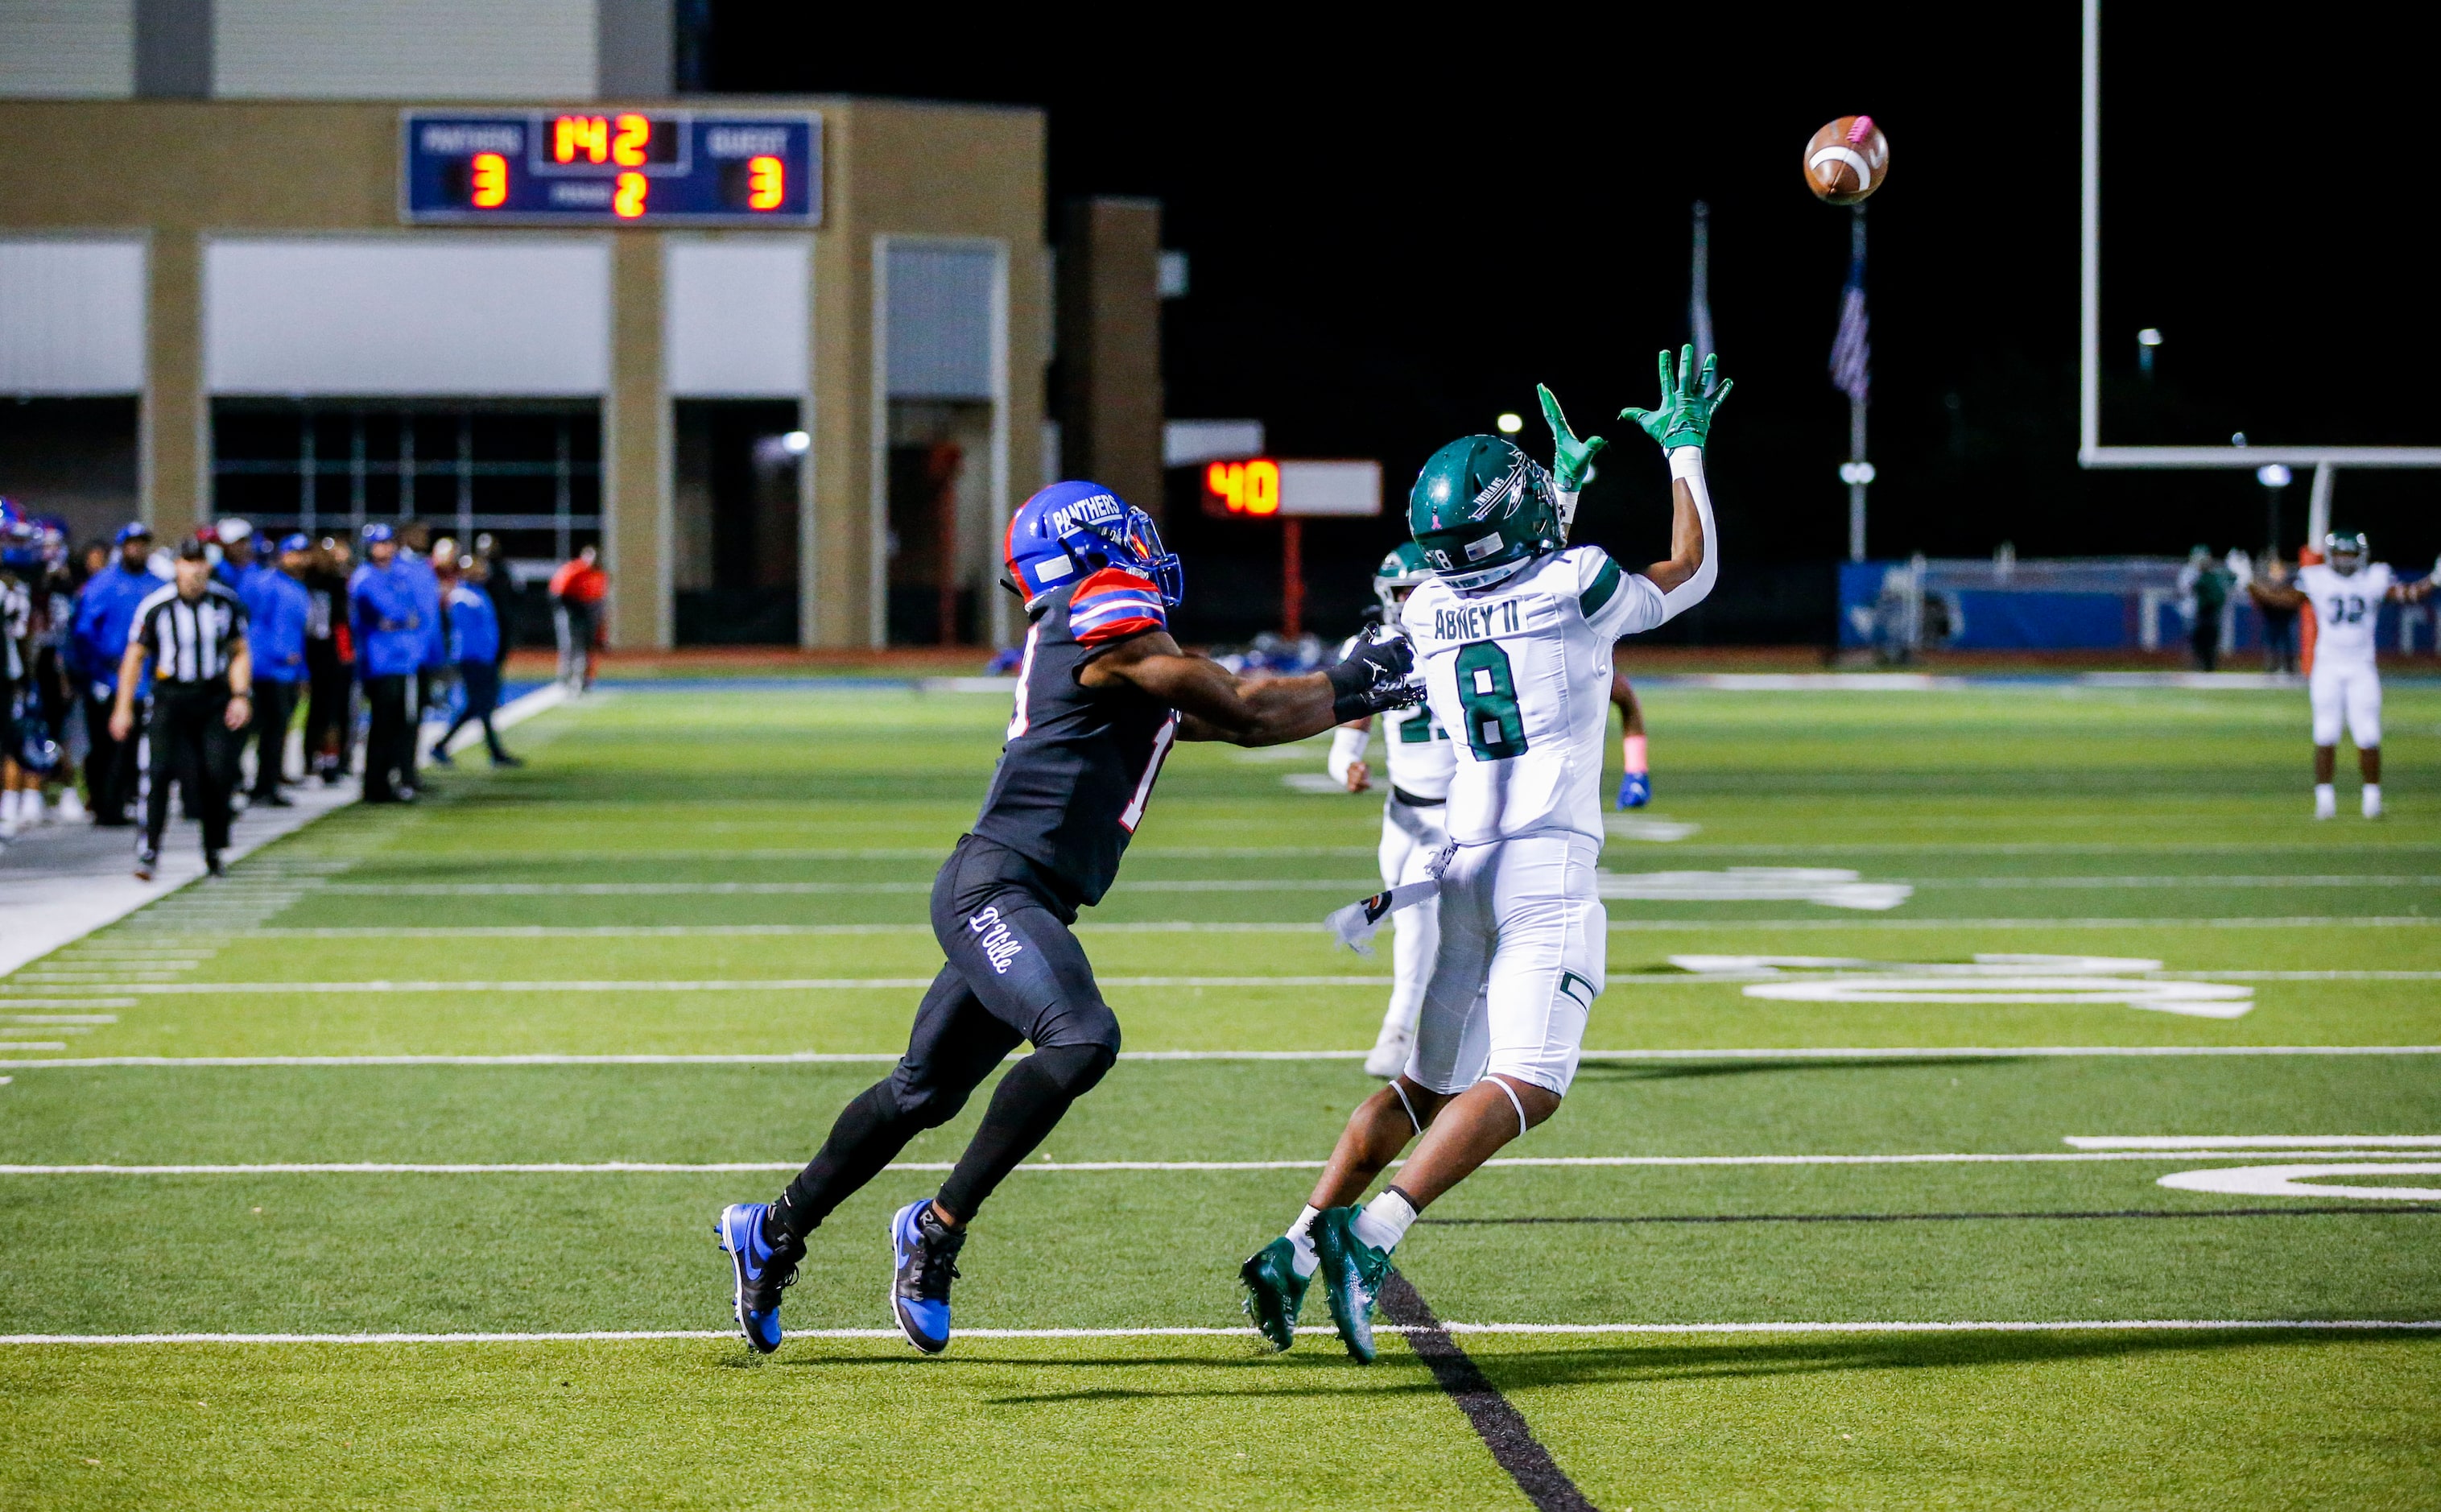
(609,167)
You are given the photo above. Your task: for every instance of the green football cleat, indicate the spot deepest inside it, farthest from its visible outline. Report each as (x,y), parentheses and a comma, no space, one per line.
(1352,1273)
(1275,1291)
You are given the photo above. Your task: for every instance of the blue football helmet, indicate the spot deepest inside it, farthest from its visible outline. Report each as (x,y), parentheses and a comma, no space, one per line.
(1070,530)
(21,541)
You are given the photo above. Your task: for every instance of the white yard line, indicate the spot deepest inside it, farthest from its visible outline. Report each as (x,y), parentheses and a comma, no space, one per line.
(217,989)
(1777,1052)
(1073,1167)
(1352,886)
(2217,1143)
(656,1335)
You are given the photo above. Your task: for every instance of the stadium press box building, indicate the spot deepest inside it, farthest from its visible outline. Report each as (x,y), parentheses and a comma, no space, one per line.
(473,261)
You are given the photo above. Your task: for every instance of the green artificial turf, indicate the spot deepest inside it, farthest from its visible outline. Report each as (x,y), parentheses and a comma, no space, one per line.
(713,840)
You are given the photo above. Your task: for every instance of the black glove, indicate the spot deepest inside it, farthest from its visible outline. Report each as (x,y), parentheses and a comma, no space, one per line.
(1374,677)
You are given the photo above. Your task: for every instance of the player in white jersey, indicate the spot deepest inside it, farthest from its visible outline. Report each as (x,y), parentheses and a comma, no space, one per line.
(1416,750)
(2347,593)
(1513,637)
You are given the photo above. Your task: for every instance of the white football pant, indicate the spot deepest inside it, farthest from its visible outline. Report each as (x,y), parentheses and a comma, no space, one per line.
(1523,944)
(2349,690)
(1411,837)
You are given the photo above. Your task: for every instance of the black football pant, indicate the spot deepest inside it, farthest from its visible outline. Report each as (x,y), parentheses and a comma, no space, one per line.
(192,745)
(330,714)
(275,703)
(389,745)
(109,765)
(1015,973)
(481,680)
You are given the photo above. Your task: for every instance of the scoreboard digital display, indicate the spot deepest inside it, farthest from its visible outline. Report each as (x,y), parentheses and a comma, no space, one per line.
(609,167)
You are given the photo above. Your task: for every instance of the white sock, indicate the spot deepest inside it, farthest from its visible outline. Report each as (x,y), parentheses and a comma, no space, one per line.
(2327,800)
(1384,1220)
(7,806)
(2373,800)
(1300,1238)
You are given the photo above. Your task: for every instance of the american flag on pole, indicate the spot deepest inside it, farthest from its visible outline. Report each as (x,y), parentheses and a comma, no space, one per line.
(1852,349)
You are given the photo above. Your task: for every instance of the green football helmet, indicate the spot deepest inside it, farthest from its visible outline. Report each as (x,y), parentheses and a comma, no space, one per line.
(1398,576)
(1481,509)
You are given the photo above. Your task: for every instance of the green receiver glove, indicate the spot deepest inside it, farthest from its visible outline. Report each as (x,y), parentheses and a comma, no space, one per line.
(1572,460)
(1687,400)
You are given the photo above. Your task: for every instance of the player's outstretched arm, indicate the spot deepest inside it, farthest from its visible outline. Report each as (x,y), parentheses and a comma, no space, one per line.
(1218,707)
(2274,595)
(1681,424)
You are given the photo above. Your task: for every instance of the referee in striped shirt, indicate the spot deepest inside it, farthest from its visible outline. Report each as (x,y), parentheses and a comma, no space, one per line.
(193,630)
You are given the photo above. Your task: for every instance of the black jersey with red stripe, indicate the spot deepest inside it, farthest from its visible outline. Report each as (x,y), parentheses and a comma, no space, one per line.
(1080,763)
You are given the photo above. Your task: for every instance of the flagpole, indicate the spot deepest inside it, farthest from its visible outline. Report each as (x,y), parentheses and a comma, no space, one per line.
(1858,471)
(1699,285)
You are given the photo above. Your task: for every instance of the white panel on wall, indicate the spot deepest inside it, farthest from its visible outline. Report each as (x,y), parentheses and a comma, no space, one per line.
(71,317)
(398,50)
(403,314)
(67,50)
(735,315)
(941,308)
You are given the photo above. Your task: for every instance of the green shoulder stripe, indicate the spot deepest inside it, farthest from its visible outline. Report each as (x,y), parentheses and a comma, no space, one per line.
(1605,583)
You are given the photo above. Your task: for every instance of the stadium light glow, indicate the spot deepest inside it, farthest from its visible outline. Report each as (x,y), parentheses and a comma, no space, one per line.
(2149,336)
(1855,472)
(1509,424)
(797,443)
(2272,475)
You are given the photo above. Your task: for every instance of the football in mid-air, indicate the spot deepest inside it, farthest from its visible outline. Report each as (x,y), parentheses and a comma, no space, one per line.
(1846,160)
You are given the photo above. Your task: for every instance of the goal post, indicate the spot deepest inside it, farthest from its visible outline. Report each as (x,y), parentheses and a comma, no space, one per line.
(2090,452)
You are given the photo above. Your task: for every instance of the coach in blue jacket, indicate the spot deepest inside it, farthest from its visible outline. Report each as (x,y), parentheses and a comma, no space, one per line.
(105,609)
(386,605)
(276,608)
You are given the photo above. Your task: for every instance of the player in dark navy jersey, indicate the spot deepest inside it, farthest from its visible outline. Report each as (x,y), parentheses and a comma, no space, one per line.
(1102,695)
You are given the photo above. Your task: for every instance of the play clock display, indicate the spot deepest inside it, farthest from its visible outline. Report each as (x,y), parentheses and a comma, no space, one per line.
(609,167)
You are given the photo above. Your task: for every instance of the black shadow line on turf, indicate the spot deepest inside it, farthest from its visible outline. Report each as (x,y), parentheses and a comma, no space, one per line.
(1502,1427)
(2361,1210)
(1604,1364)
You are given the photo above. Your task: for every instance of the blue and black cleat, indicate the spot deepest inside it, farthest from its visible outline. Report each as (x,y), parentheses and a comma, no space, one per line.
(764,1270)
(924,1259)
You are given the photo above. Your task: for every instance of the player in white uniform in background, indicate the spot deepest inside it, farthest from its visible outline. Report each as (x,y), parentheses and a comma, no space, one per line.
(2346,592)
(1513,637)
(1416,750)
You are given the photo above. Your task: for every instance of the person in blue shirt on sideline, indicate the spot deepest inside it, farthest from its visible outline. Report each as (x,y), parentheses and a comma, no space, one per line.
(416,559)
(105,610)
(237,563)
(276,607)
(385,606)
(474,646)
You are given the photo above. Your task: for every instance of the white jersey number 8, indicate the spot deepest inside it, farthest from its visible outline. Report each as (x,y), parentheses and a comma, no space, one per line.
(1495,732)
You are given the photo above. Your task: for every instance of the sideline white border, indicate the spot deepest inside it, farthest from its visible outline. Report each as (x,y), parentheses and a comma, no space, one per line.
(101,899)
(1889,1053)
(1976,1326)
(1070,1167)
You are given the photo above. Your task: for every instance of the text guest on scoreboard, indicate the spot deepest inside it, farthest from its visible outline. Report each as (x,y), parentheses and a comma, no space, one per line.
(616,167)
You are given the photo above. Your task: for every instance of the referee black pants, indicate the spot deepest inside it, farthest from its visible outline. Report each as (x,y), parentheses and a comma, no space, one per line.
(192,745)
(389,745)
(1015,974)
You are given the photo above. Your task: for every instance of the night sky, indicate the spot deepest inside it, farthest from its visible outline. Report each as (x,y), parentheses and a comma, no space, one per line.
(1394,237)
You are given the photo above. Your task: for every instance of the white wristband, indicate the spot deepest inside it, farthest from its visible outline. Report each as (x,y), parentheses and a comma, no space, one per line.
(1348,746)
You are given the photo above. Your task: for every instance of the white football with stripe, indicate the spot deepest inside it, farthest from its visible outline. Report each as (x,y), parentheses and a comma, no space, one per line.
(1846,160)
